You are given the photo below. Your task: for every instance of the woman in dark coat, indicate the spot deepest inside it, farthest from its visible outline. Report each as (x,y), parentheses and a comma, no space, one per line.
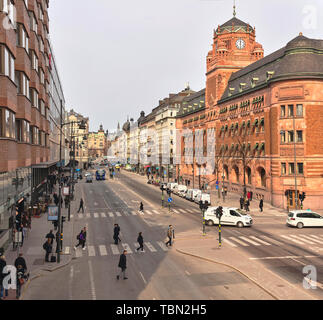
(122,265)
(140,240)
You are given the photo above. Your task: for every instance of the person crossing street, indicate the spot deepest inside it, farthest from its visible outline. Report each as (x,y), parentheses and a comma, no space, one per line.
(122,265)
(170,235)
(261,205)
(81,205)
(81,237)
(116,232)
(140,240)
(141,208)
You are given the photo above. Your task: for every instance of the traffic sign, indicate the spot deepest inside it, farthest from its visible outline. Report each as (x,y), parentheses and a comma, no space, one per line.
(113,173)
(217,187)
(170,200)
(217,182)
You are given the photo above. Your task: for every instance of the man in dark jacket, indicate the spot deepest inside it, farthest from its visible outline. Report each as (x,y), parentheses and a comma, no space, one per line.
(48,248)
(122,265)
(20,261)
(241,203)
(81,206)
(116,232)
(50,236)
(261,204)
(21,267)
(140,240)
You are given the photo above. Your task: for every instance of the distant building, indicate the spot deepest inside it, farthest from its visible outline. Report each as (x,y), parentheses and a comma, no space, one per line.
(98,144)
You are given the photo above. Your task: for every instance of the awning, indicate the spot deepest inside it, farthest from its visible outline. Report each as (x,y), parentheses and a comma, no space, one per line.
(146,167)
(44,165)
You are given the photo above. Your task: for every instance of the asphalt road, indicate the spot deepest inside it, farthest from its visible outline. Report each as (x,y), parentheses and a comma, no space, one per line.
(158,273)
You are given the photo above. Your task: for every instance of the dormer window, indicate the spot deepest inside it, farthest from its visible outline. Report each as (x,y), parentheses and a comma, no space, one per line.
(254,82)
(242,85)
(231,91)
(269,74)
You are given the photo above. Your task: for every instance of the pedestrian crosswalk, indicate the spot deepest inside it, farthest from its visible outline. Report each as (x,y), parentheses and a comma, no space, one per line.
(128,213)
(113,250)
(260,240)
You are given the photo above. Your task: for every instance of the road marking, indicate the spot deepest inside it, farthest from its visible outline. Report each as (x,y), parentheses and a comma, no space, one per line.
(175,211)
(103,250)
(250,241)
(301,239)
(114,249)
(240,242)
(261,241)
(272,258)
(142,276)
(277,243)
(78,253)
(126,247)
(92,281)
(136,244)
(147,211)
(187,273)
(70,282)
(141,213)
(291,239)
(67,250)
(88,215)
(229,242)
(156,212)
(96,215)
(72,215)
(91,251)
(310,238)
(126,213)
(133,213)
(162,245)
(300,262)
(111,214)
(103,215)
(150,247)
(80,215)
(313,236)
(118,214)
(182,210)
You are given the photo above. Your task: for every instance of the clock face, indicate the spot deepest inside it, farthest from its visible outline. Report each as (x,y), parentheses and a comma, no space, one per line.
(240,44)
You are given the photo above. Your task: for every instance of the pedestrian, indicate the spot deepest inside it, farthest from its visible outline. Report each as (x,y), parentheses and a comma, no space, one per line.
(140,240)
(3,263)
(50,236)
(141,208)
(251,194)
(225,190)
(170,235)
(122,265)
(21,267)
(48,248)
(66,202)
(261,204)
(247,204)
(241,202)
(81,205)
(116,232)
(81,237)
(56,200)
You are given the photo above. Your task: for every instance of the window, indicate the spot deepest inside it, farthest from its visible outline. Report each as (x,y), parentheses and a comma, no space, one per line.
(299,110)
(10,126)
(41,14)
(22,38)
(34,60)
(41,44)
(282,111)
(7,63)
(300,168)
(42,106)
(34,98)
(283,136)
(290,136)
(41,76)
(291,168)
(22,83)
(283,168)
(33,22)
(4,6)
(19,130)
(299,135)
(290,110)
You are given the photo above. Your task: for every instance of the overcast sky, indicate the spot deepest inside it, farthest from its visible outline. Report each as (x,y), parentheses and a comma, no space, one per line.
(116,58)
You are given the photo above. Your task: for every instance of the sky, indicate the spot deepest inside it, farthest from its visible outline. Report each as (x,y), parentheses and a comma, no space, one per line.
(117,58)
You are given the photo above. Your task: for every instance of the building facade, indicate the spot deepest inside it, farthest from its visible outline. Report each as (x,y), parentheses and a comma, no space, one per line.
(98,144)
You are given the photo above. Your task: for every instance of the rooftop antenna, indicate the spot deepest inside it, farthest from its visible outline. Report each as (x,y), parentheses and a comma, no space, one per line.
(234,8)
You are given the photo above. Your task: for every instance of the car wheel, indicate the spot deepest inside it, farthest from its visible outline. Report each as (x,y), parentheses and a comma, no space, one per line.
(300,225)
(210,223)
(240,224)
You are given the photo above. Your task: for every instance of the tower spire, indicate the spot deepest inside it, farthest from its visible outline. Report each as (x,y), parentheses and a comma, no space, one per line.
(234,8)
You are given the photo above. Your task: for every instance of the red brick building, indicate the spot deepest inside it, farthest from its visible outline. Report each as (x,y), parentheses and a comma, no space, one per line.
(266,116)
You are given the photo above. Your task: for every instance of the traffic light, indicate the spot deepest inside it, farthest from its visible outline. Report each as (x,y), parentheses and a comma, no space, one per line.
(304,196)
(63,219)
(169,191)
(219,212)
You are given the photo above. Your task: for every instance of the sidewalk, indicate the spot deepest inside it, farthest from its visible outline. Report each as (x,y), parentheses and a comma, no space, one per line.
(33,251)
(206,248)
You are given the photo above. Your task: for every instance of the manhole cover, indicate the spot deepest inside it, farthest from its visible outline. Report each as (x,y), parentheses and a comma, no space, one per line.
(38,262)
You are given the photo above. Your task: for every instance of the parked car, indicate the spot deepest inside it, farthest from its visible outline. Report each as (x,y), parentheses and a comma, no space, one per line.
(89,178)
(179,189)
(100,174)
(203,197)
(192,193)
(304,218)
(172,185)
(231,217)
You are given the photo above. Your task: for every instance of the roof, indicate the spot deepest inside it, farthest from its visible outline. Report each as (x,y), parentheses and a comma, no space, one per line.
(300,58)
(237,23)
(197,99)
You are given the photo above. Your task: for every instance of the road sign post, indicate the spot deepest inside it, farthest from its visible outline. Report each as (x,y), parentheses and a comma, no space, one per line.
(219,213)
(169,202)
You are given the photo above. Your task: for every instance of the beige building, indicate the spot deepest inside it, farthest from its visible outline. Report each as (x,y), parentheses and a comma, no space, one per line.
(97,144)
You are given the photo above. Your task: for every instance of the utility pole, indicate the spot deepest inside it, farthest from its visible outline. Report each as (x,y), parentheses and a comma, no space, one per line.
(295,161)
(223,193)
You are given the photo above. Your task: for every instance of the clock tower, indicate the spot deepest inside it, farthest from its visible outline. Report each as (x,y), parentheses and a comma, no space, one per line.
(234,47)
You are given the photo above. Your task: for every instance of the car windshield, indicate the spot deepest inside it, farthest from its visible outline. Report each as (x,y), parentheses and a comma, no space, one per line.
(241,212)
(291,214)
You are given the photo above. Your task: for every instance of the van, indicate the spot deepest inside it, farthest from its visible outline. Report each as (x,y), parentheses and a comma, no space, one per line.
(203,197)
(181,190)
(172,185)
(192,193)
(230,217)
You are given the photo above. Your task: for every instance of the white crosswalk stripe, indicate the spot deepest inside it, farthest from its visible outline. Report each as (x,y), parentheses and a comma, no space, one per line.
(134,213)
(150,247)
(175,211)
(126,247)
(182,210)
(67,250)
(111,215)
(229,242)
(114,249)
(250,241)
(126,213)
(96,215)
(141,213)
(136,245)
(291,239)
(162,245)
(72,215)
(147,211)
(156,212)
(317,239)
(80,216)
(103,250)
(239,241)
(103,215)
(88,215)
(78,253)
(301,238)
(261,241)
(118,214)
(91,251)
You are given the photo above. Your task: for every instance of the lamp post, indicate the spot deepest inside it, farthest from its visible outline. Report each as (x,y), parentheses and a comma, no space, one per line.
(295,162)
(223,193)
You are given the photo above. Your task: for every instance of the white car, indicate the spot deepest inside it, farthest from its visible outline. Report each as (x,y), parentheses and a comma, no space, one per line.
(172,185)
(192,193)
(304,218)
(231,217)
(180,189)
(204,197)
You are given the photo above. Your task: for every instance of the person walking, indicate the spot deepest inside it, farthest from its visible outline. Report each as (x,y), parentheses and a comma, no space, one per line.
(141,208)
(261,205)
(50,236)
(140,240)
(21,267)
(247,204)
(81,205)
(81,238)
(56,200)
(3,263)
(241,202)
(170,235)
(122,265)
(66,202)
(48,248)
(116,232)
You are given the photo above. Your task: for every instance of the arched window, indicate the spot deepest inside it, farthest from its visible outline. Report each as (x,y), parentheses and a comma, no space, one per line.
(226,172)
(262,177)
(248,175)
(235,170)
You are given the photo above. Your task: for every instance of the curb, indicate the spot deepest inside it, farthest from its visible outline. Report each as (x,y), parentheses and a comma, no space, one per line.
(229,266)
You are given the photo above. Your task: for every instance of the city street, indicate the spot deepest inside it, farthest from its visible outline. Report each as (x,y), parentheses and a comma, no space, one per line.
(167,273)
